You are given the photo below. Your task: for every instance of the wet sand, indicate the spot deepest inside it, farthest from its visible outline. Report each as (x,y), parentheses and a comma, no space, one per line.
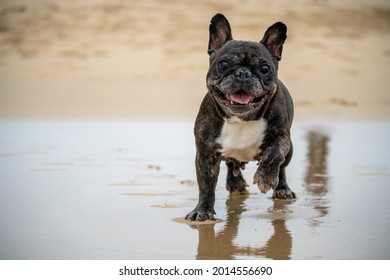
(98,190)
(97,102)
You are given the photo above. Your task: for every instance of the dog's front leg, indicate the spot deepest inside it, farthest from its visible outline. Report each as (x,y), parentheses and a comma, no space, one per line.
(272,157)
(207,170)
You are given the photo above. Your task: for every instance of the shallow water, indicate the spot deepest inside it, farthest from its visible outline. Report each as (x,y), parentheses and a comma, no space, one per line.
(119,190)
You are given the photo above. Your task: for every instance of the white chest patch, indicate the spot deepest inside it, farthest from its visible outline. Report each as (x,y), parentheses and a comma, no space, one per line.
(241,140)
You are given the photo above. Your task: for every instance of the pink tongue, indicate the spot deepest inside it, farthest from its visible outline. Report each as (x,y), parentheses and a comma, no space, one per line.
(240,97)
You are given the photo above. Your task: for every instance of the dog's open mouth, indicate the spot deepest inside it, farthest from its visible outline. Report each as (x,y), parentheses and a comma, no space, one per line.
(240,97)
(240,100)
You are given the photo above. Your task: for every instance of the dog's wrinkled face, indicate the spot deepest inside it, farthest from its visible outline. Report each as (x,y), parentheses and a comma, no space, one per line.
(242,78)
(242,75)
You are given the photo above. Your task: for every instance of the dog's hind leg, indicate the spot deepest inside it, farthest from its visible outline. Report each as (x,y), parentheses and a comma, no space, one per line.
(234,180)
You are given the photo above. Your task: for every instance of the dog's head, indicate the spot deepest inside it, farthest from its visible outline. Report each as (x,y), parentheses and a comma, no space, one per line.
(242,77)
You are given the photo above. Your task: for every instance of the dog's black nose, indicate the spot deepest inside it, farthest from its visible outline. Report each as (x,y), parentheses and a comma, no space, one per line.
(243,74)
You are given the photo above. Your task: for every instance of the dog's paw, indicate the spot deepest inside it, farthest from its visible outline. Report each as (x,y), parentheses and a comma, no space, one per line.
(284,193)
(236,184)
(266,180)
(200,215)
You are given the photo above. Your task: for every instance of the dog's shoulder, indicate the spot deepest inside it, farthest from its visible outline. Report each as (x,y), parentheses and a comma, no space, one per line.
(208,122)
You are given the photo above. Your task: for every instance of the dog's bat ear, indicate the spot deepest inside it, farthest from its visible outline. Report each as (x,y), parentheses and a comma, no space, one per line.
(274,39)
(220,33)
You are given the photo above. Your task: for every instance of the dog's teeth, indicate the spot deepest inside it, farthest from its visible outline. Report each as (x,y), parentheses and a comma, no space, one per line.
(231,102)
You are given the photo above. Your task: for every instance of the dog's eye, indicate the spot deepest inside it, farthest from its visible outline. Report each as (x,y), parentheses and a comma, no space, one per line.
(223,64)
(264,68)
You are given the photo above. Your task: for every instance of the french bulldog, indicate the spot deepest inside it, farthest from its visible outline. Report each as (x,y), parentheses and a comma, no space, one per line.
(245,116)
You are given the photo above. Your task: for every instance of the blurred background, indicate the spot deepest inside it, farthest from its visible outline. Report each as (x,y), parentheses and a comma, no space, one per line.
(148,59)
